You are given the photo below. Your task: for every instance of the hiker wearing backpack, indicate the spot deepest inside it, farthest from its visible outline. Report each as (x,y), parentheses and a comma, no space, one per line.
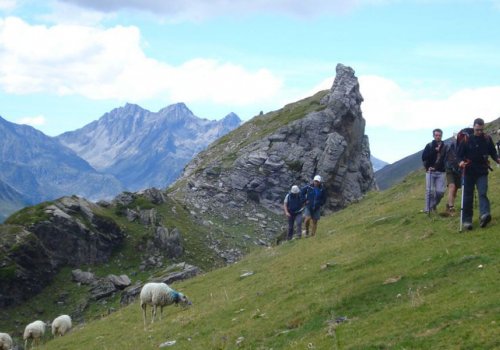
(453,174)
(473,154)
(315,196)
(433,158)
(293,206)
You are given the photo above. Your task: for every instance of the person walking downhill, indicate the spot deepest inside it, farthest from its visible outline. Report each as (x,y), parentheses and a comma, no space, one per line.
(315,196)
(433,159)
(473,154)
(293,206)
(453,175)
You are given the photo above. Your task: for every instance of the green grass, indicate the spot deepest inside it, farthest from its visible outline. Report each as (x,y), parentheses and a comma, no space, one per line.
(125,259)
(443,295)
(29,215)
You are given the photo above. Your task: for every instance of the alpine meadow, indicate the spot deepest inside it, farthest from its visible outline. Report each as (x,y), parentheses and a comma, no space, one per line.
(379,275)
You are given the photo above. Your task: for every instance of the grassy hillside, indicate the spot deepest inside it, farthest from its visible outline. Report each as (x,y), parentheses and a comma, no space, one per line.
(379,275)
(65,296)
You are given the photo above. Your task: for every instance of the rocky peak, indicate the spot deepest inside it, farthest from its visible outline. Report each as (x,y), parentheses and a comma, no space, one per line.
(328,139)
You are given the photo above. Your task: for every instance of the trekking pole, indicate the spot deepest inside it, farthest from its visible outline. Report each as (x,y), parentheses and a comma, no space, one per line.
(462,202)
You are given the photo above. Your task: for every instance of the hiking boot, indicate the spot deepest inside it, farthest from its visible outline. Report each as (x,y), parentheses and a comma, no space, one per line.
(467,226)
(484,220)
(450,209)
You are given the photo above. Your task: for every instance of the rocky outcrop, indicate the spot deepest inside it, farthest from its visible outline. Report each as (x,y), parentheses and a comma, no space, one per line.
(65,233)
(328,141)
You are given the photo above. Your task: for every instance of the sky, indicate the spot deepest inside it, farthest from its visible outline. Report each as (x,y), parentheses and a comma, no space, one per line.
(421,64)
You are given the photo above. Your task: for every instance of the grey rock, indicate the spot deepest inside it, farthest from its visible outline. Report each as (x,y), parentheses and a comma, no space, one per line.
(102,288)
(148,217)
(154,195)
(83,277)
(120,282)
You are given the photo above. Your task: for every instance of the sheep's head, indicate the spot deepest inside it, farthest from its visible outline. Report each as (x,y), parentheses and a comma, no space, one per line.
(181,299)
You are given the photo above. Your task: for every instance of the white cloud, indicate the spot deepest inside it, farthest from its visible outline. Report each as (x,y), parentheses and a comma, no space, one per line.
(7,4)
(198,9)
(387,104)
(109,64)
(33,121)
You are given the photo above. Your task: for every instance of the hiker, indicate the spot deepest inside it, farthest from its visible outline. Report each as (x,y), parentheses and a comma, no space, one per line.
(315,196)
(293,206)
(453,174)
(433,160)
(473,154)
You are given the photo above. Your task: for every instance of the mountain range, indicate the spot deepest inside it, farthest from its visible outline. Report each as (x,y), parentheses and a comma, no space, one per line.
(144,149)
(36,167)
(128,148)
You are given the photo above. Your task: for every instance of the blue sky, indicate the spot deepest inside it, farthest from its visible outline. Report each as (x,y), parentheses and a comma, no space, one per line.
(422,64)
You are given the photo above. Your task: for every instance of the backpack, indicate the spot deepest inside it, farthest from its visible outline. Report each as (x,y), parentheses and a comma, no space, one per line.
(463,137)
(464,134)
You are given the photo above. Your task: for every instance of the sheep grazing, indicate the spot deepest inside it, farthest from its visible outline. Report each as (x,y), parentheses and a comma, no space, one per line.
(61,325)
(34,331)
(159,294)
(5,341)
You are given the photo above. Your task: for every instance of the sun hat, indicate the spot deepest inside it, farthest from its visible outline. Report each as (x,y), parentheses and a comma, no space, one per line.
(317,178)
(295,189)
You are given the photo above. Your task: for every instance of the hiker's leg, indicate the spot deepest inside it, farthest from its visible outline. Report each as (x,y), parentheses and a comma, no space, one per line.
(469,184)
(291,220)
(307,222)
(440,186)
(314,227)
(298,222)
(452,193)
(482,191)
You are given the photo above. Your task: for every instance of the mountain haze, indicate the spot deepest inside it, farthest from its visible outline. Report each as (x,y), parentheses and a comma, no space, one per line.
(37,167)
(144,149)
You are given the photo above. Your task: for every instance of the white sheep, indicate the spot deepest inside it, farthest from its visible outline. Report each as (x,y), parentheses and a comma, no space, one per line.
(34,331)
(5,341)
(61,325)
(159,294)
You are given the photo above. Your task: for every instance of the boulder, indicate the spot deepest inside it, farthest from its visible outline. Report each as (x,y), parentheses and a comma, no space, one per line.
(83,277)
(120,282)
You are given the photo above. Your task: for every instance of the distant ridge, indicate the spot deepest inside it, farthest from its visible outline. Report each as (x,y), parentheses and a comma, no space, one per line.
(145,149)
(35,167)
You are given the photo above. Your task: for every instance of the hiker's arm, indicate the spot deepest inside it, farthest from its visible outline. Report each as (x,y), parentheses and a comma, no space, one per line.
(285,206)
(492,151)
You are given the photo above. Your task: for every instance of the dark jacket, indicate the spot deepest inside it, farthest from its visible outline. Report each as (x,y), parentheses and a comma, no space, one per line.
(433,158)
(476,151)
(315,196)
(294,202)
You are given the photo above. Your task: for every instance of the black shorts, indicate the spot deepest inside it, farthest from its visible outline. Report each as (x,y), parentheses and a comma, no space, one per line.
(453,178)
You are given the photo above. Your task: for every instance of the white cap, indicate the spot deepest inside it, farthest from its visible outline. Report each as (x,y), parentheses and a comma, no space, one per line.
(295,189)
(317,178)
